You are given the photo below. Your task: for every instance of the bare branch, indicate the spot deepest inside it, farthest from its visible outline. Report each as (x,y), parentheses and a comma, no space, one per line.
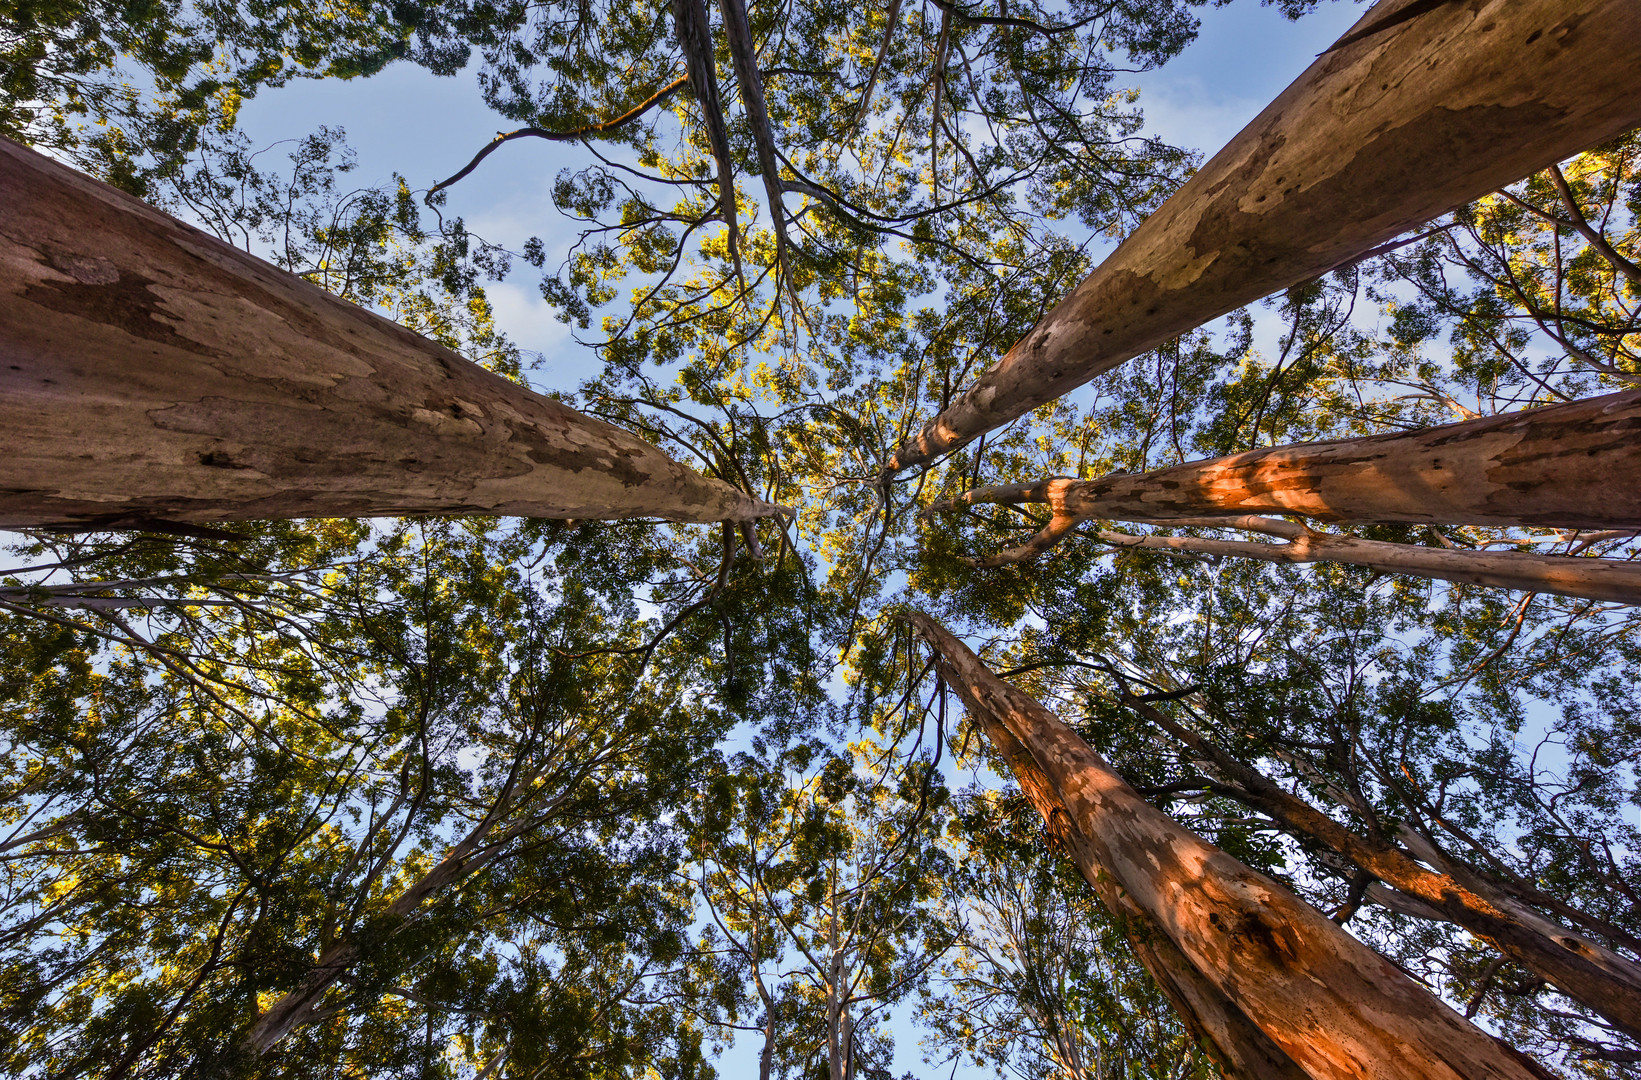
(568,135)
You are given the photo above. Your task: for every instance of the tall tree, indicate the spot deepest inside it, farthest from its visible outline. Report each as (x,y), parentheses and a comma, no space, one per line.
(168,377)
(1563,466)
(1583,969)
(1329,170)
(1331,1004)
(1042,982)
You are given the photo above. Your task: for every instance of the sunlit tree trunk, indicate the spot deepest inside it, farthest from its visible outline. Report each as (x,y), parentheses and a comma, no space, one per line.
(1571,466)
(1580,968)
(153,374)
(1240,1049)
(1421,107)
(1335,1007)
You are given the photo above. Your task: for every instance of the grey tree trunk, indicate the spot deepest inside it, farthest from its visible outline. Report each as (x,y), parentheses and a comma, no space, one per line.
(1571,466)
(1615,580)
(150,373)
(1420,108)
(1333,1006)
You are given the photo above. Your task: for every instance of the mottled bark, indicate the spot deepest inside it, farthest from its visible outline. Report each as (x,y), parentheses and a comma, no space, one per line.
(1580,968)
(1335,1007)
(1420,108)
(1571,466)
(151,373)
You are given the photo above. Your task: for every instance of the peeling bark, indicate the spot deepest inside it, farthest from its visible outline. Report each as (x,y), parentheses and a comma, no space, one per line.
(1421,108)
(1582,969)
(1335,1007)
(1571,466)
(150,373)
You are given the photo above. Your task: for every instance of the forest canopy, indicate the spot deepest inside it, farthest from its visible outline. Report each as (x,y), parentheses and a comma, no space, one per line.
(518,797)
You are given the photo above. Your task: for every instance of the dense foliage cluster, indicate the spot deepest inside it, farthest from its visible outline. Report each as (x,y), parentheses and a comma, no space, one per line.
(574,799)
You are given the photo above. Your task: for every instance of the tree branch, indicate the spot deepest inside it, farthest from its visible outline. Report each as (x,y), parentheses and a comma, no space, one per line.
(568,135)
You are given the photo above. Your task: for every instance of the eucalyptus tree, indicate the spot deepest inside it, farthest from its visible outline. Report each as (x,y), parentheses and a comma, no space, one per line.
(1492,909)
(1432,720)
(1562,466)
(1373,139)
(166,376)
(394,793)
(1493,480)
(1327,1004)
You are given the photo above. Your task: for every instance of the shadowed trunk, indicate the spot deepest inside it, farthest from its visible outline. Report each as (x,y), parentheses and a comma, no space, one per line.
(1335,1007)
(152,374)
(1613,580)
(1572,466)
(1422,107)
(743,53)
(1580,968)
(694,31)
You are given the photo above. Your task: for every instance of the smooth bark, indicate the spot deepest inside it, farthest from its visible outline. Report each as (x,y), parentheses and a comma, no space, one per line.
(1335,1007)
(1611,580)
(1570,466)
(1240,1049)
(694,31)
(1422,107)
(1582,969)
(743,52)
(150,373)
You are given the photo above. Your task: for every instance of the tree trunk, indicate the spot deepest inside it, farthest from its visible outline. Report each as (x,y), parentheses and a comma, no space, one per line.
(1580,968)
(1240,1049)
(1610,580)
(743,53)
(694,32)
(1613,580)
(1572,466)
(1335,1007)
(1422,107)
(152,373)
